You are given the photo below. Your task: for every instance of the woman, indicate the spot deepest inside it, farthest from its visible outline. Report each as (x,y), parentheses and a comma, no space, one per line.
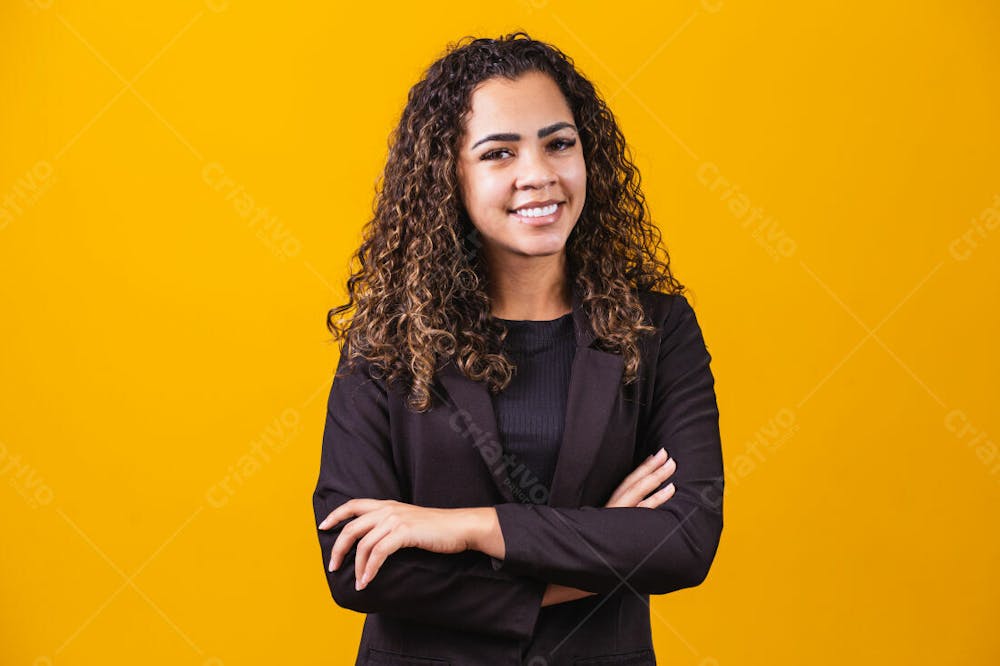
(519,378)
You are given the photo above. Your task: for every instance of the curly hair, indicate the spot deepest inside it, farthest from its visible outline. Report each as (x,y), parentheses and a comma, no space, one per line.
(418,282)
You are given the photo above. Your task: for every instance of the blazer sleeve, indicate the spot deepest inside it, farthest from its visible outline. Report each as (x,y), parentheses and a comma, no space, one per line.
(655,551)
(459,591)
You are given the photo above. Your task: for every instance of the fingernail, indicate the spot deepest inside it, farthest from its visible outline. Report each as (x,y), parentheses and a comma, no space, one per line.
(661,453)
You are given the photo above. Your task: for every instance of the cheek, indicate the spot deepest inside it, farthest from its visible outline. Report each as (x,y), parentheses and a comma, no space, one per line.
(490,191)
(483,194)
(580,176)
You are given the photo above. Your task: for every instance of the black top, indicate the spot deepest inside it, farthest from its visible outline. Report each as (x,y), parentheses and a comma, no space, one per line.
(531,411)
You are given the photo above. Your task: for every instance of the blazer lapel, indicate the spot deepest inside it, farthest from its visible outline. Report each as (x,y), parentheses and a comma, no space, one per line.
(595,378)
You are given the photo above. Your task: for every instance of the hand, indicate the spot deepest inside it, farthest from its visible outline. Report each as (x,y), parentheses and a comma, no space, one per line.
(385,526)
(647,477)
(630,493)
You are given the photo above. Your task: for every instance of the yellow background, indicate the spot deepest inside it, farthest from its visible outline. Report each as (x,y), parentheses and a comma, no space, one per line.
(182,186)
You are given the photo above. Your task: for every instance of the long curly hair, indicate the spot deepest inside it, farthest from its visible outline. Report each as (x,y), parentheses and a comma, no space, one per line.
(418,285)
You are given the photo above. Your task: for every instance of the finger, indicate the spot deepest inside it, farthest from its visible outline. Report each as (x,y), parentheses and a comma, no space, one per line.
(658,498)
(349,509)
(650,482)
(364,551)
(345,510)
(385,547)
(340,513)
(647,467)
(352,531)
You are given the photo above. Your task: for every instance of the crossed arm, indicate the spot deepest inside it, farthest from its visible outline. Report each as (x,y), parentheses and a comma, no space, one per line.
(382,527)
(520,557)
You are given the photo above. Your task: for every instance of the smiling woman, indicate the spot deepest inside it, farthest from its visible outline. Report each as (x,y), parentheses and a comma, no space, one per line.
(523,424)
(533,173)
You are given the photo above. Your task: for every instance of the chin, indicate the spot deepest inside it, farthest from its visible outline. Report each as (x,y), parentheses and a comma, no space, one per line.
(541,249)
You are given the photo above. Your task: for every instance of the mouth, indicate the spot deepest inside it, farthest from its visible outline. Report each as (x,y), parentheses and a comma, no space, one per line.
(538,215)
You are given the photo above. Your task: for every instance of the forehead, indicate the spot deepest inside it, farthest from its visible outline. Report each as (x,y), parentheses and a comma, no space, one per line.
(523,105)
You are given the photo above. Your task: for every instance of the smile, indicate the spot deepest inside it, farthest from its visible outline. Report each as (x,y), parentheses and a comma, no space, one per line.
(537,212)
(538,216)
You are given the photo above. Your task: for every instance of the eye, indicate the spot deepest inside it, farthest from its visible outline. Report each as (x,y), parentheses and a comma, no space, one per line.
(492,155)
(566,143)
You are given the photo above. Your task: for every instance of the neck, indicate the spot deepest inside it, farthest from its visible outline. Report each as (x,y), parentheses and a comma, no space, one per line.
(533,289)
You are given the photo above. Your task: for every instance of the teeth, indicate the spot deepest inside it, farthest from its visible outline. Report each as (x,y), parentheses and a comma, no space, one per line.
(537,212)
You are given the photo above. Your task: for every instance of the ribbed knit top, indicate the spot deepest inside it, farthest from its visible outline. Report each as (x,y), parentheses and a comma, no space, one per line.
(531,411)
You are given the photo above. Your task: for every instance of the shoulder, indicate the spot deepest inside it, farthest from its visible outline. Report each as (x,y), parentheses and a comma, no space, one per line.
(661,308)
(680,342)
(675,321)
(359,373)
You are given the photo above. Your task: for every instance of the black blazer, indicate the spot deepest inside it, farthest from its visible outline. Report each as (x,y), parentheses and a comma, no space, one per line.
(472,609)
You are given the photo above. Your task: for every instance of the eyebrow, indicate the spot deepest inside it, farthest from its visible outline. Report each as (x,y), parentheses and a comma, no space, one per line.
(510,136)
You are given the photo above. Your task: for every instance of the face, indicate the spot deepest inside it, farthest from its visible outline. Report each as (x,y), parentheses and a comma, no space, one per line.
(521,169)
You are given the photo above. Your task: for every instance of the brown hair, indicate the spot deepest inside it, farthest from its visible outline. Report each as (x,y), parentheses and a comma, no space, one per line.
(418,282)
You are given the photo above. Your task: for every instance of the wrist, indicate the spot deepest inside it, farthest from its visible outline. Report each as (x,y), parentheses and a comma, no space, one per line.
(483,532)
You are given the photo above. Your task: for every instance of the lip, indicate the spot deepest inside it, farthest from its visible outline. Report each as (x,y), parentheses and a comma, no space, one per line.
(545,219)
(537,204)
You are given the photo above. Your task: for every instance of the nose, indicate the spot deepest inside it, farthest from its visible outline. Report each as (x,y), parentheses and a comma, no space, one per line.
(536,172)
